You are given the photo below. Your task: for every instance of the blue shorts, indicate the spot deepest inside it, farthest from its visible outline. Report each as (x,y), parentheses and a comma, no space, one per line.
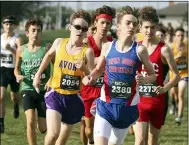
(71,107)
(118,115)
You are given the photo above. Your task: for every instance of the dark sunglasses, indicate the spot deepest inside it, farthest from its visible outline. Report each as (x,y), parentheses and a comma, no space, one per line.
(78,27)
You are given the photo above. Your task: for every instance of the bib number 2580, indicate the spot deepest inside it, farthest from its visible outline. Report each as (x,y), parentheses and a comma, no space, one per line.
(69,82)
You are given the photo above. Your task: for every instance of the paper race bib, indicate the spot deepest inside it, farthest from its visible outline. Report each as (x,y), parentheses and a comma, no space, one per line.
(99,81)
(7,58)
(147,90)
(69,82)
(121,89)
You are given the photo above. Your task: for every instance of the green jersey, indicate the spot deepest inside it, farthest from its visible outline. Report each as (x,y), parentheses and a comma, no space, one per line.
(30,65)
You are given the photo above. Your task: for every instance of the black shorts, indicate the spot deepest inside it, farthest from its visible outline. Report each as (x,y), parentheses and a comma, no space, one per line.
(33,100)
(7,77)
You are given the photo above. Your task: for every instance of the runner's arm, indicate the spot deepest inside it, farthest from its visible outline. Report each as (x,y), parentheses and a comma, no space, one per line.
(168,57)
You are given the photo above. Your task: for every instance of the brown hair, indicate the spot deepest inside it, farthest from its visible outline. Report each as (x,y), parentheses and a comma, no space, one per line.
(81,14)
(148,13)
(33,22)
(124,11)
(104,10)
(179,29)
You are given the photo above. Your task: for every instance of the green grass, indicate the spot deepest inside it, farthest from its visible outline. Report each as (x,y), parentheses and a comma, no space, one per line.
(15,130)
(51,35)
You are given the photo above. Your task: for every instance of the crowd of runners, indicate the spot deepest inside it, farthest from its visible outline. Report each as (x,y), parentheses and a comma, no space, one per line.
(110,85)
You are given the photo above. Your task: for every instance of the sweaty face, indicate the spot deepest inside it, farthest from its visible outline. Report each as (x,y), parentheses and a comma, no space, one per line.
(8,27)
(160,35)
(148,29)
(102,25)
(34,32)
(79,28)
(127,26)
(179,36)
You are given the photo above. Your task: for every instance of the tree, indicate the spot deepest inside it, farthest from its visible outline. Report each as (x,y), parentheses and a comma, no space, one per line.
(20,9)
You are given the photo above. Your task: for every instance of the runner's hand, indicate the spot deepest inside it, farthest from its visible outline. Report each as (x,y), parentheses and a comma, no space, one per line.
(159,90)
(36,82)
(87,80)
(80,64)
(8,47)
(19,78)
(47,85)
(139,78)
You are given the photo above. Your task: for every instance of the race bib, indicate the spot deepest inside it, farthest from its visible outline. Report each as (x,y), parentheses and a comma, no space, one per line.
(121,90)
(6,58)
(69,82)
(147,90)
(43,76)
(99,81)
(181,66)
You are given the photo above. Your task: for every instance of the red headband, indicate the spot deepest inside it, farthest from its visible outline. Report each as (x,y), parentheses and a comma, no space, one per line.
(104,16)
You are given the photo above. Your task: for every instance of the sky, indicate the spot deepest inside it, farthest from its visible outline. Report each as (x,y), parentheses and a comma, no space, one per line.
(91,5)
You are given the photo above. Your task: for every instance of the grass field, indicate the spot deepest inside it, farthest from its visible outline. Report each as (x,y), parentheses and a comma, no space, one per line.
(15,130)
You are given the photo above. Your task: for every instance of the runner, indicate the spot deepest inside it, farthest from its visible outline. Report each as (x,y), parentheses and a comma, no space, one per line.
(152,101)
(28,59)
(180,52)
(117,107)
(10,41)
(102,23)
(64,104)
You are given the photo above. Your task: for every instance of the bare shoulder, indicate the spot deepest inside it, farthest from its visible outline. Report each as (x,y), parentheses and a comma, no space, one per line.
(166,50)
(141,49)
(57,41)
(19,41)
(19,50)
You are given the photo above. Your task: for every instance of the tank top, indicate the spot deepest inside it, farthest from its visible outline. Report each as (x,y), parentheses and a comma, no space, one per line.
(30,65)
(66,77)
(120,72)
(148,97)
(94,90)
(7,58)
(181,58)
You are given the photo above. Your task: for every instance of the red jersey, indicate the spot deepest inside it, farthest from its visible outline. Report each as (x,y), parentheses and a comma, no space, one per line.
(149,99)
(93,91)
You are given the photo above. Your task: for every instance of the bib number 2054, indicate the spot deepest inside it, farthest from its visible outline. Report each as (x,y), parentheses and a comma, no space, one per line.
(69,82)
(121,90)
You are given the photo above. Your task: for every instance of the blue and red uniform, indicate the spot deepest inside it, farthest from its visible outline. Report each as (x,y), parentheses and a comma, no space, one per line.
(90,92)
(118,101)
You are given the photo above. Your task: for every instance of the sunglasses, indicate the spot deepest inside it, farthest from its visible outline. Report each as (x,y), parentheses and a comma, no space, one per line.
(78,27)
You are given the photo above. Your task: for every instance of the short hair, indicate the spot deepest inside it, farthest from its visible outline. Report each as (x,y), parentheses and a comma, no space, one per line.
(124,11)
(161,29)
(10,19)
(81,14)
(104,10)
(179,29)
(33,22)
(148,13)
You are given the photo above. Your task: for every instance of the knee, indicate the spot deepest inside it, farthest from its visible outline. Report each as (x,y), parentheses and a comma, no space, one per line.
(31,124)
(52,136)
(88,131)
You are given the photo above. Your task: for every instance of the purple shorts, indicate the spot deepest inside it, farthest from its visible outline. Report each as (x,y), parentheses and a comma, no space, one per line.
(71,107)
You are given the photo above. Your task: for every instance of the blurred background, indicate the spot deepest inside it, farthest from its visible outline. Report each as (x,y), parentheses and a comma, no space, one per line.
(55,15)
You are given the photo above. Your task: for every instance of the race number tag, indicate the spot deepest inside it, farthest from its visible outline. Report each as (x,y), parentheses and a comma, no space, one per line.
(7,58)
(99,81)
(147,90)
(181,66)
(69,82)
(121,90)
(43,76)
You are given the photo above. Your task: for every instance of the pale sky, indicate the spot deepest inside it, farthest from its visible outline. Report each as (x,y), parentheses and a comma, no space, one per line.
(88,5)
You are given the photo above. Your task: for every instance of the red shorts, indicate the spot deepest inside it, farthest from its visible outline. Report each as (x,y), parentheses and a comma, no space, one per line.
(88,104)
(154,116)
